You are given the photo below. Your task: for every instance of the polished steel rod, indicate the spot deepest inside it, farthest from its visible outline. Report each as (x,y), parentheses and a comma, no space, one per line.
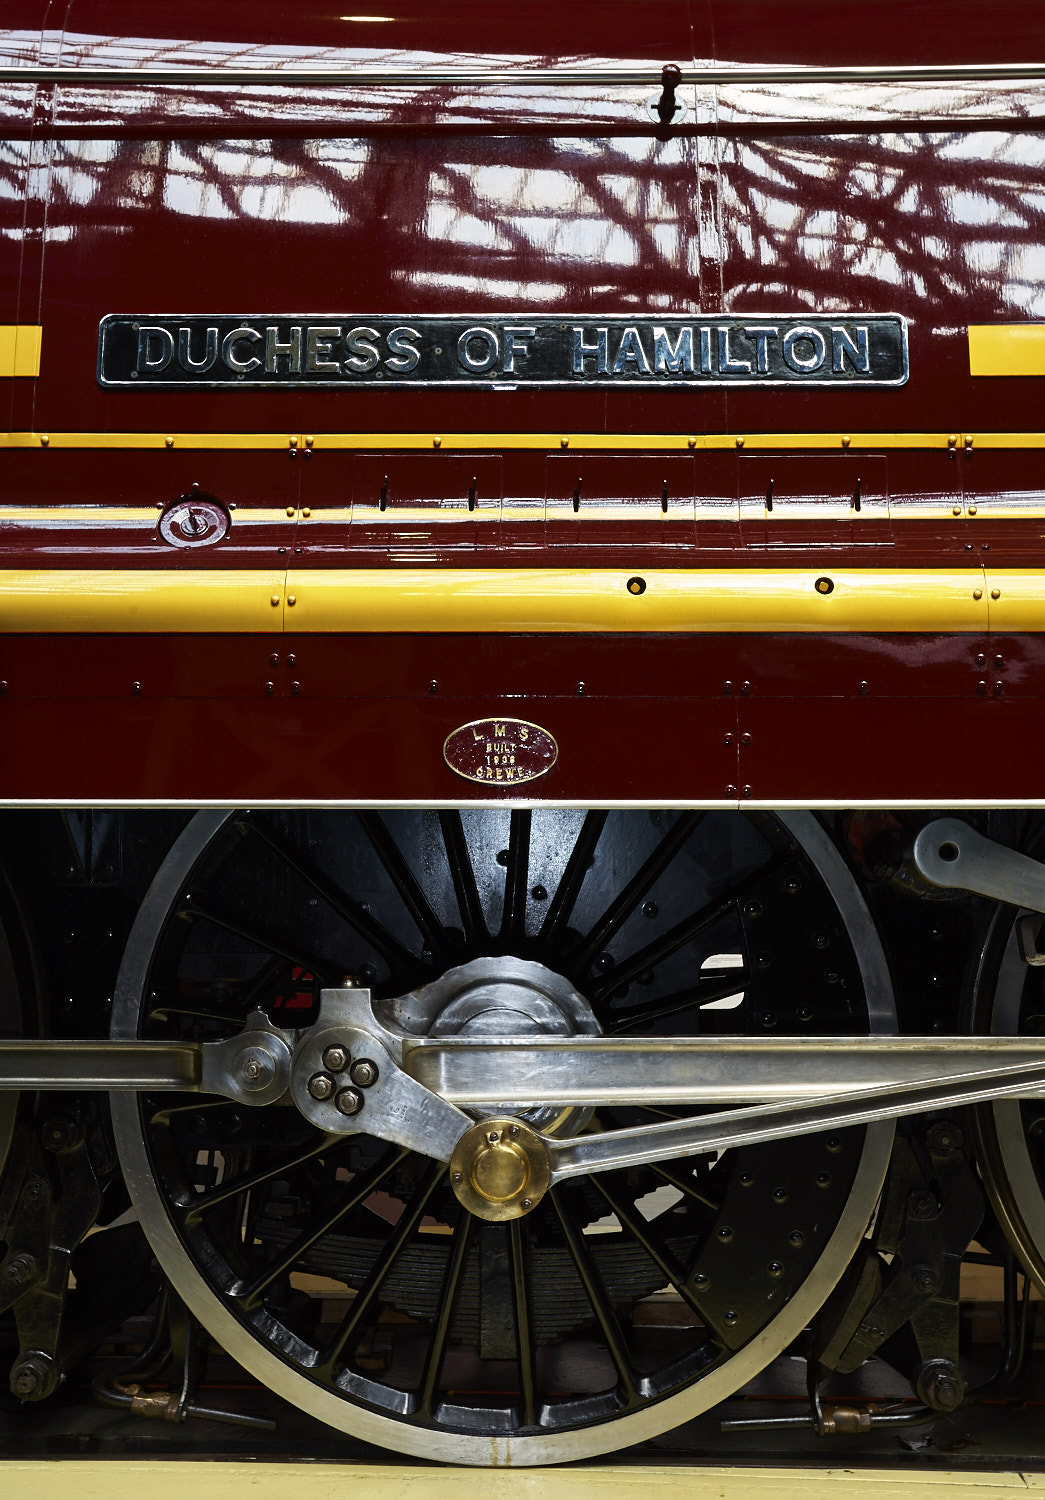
(218,76)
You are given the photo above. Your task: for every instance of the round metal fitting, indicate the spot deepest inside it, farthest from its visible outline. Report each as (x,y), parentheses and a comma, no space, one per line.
(940,1385)
(363,1073)
(348,1101)
(320,1086)
(34,1376)
(336,1059)
(500,1169)
(254,1068)
(21,1269)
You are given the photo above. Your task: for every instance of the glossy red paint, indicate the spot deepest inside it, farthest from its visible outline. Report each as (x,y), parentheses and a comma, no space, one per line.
(790,718)
(767,199)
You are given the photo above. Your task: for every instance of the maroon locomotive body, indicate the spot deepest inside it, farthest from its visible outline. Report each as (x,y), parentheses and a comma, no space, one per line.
(574,473)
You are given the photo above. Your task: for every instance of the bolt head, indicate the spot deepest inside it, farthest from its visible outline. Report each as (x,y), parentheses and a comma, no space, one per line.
(348,1101)
(25,1381)
(20,1269)
(363,1073)
(336,1059)
(320,1086)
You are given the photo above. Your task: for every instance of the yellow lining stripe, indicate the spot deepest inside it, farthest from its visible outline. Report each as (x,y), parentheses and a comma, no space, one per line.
(520,600)
(1007,349)
(141,600)
(631,442)
(20,349)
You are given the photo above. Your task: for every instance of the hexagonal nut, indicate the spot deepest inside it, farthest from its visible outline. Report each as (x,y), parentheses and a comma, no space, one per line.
(34,1376)
(363,1073)
(21,1269)
(336,1059)
(348,1101)
(320,1086)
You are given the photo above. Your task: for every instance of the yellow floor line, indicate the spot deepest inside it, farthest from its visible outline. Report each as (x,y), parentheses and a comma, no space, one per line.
(113,1480)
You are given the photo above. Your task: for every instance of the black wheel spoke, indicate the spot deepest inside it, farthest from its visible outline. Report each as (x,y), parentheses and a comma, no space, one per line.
(339,901)
(463,876)
(402,877)
(685,1185)
(671,1005)
(404,1231)
(600,1304)
(447,1304)
(619,910)
(268,940)
(355,1193)
(516,878)
(677,937)
(194,1208)
(560,908)
(641,1231)
(524,1341)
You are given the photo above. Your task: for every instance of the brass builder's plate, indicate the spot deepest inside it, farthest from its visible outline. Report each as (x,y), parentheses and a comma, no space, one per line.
(500,751)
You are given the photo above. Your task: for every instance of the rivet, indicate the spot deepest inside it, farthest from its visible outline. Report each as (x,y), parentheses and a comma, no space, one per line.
(999,689)
(290,511)
(728,739)
(309,441)
(169,441)
(745,739)
(972,510)
(691,442)
(291,660)
(846,441)
(293,442)
(956,511)
(731,790)
(274,600)
(433,686)
(968,440)
(740,442)
(745,791)
(306,513)
(437,442)
(44,440)
(981,688)
(270,687)
(977,593)
(291,599)
(582,688)
(136,687)
(564,442)
(995,593)
(952,440)
(863,689)
(295,688)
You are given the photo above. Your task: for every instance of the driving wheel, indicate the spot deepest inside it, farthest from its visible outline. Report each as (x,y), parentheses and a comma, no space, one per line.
(343,1271)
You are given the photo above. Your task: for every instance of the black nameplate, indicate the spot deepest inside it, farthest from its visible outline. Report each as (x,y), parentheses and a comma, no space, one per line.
(520,349)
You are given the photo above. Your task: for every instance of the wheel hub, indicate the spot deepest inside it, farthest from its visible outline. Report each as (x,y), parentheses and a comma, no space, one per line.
(501,997)
(500,1169)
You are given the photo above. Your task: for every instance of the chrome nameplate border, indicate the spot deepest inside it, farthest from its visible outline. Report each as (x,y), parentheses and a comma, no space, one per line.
(656,352)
